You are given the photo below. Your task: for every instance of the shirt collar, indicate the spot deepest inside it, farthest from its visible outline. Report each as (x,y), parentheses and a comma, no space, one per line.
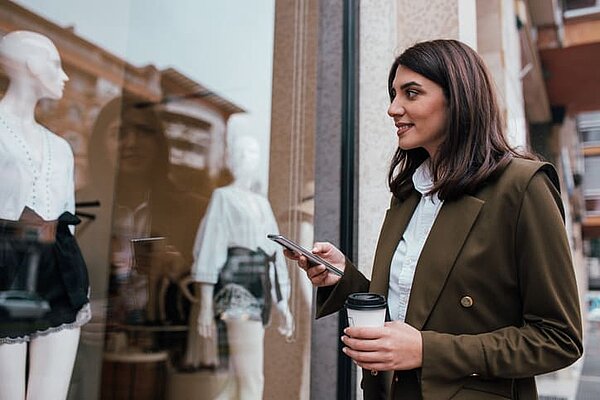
(422,178)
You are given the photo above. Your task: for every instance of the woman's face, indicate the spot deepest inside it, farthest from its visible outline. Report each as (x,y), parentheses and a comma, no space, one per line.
(138,149)
(419,111)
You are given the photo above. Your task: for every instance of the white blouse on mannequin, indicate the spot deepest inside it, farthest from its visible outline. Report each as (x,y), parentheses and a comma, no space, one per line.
(236,218)
(47,188)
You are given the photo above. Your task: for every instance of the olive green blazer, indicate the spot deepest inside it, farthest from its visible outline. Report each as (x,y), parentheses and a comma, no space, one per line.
(494,292)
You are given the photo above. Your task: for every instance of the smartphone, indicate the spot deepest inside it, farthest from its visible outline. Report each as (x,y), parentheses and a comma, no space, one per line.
(144,249)
(296,248)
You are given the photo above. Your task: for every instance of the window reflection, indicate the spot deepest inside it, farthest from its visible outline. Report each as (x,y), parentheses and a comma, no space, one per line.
(153,226)
(240,273)
(150,143)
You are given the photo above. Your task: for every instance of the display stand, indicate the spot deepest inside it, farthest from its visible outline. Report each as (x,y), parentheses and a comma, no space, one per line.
(135,373)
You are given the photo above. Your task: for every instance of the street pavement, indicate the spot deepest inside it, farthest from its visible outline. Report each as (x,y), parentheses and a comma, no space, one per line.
(589,380)
(580,381)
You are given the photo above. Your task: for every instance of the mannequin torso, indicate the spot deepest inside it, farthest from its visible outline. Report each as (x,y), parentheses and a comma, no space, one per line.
(37,176)
(41,181)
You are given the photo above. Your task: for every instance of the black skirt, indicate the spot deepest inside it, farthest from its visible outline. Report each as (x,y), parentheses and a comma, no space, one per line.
(62,282)
(243,290)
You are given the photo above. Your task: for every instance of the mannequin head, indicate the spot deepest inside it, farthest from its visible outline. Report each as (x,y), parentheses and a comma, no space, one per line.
(243,159)
(32,63)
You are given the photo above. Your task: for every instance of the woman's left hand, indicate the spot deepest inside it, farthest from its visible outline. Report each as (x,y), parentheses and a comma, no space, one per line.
(396,346)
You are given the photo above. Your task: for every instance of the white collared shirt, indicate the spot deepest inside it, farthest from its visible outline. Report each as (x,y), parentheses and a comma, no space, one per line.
(406,256)
(48,189)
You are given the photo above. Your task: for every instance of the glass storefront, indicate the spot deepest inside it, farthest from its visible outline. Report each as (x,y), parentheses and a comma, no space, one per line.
(167,109)
(197,128)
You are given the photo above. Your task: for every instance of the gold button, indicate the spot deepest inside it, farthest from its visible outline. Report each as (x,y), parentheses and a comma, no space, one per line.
(466,301)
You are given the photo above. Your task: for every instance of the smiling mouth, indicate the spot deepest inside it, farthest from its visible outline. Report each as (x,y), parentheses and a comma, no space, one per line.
(402,128)
(132,157)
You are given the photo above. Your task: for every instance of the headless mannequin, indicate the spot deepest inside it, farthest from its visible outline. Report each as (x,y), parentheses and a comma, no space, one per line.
(32,64)
(245,336)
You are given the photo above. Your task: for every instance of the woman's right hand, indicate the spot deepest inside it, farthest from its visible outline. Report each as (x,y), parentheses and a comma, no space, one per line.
(318,274)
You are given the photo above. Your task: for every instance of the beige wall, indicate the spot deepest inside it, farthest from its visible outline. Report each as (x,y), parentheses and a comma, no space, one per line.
(387,27)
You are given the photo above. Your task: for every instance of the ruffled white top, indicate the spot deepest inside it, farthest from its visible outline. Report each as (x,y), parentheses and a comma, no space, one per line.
(48,189)
(236,217)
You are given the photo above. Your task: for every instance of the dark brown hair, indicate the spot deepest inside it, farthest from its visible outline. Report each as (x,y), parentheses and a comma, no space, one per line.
(475,147)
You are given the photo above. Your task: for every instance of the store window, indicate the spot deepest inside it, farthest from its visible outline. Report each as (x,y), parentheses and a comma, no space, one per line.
(167,110)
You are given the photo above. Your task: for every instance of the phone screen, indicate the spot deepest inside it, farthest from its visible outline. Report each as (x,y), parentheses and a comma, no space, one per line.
(296,248)
(144,249)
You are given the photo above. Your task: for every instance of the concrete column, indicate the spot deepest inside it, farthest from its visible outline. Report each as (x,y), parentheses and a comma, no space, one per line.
(292,154)
(498,44)
(328,149)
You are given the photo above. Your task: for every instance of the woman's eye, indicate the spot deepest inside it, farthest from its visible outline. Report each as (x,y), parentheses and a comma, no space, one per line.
(411,94)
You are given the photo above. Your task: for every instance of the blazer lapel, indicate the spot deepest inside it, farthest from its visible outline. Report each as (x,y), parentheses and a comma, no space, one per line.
(443,244)
(394,225)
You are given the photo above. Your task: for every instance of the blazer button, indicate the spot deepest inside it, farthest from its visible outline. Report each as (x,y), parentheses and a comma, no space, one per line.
(466,301)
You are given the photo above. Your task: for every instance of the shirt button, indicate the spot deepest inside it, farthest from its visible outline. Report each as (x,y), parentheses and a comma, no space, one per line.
(466,301)
(396,378)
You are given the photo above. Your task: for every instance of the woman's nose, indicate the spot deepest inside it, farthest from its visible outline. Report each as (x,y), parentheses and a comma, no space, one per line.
(128,139)
(396,109)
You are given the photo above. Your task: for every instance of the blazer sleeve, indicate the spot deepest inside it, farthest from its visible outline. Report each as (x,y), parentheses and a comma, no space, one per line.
(550,335)
(331,299)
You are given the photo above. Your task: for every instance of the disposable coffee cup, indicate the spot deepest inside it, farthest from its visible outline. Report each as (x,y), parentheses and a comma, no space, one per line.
(366,309)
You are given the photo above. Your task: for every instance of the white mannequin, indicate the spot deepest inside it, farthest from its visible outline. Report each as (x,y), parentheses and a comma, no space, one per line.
(33,66)
(245,337)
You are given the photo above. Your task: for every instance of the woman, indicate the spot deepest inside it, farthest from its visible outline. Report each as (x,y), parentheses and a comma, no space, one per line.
(472,255)
(129,156)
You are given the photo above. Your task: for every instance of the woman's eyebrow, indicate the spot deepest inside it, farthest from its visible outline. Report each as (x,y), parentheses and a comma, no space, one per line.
(411,83)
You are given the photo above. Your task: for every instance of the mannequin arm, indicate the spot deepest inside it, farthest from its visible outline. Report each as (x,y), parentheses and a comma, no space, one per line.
(206,314)
(286,326)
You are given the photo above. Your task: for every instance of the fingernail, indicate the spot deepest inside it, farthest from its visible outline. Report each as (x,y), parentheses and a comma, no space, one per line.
(345,350)
(346,331)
